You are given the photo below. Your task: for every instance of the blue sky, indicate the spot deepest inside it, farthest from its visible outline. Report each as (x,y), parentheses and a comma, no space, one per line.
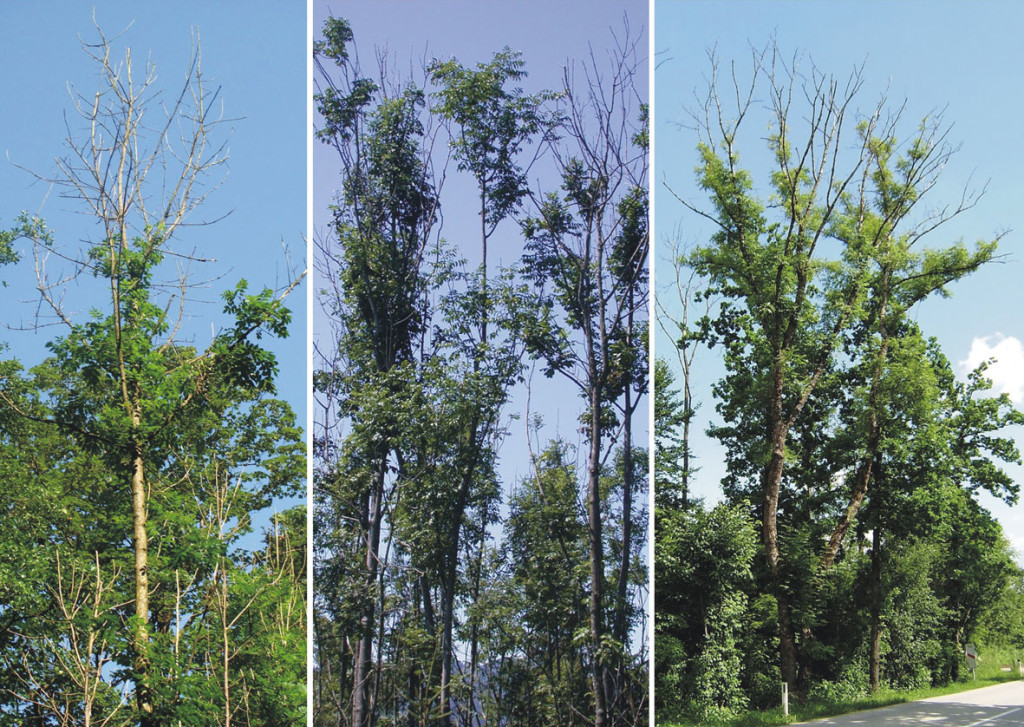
(260,65)
(963,58)
(547,34)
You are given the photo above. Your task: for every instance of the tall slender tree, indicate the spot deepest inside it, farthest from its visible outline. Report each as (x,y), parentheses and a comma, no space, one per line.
(490,122)
(382,223)
(587,252)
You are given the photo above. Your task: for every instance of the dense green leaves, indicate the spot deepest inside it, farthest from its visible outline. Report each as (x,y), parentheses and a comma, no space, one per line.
(493,123)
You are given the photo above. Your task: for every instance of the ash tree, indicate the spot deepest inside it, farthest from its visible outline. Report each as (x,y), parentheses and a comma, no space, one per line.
(490,121)
(171,432)
(836,252)
(423,612)
(382,225)
(586,252)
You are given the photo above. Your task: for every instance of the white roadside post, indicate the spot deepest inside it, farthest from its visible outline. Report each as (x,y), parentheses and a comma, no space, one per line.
(785,699)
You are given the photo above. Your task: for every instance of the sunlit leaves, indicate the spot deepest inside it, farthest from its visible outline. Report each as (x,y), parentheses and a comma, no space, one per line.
(494,119)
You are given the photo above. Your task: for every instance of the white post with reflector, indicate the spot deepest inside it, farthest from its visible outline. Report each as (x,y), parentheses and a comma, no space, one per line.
(972,659)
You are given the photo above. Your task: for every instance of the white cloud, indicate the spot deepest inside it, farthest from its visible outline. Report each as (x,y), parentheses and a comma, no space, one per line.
(1007,371)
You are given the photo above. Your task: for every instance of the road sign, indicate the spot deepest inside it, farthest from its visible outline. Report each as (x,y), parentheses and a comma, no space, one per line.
(972,656)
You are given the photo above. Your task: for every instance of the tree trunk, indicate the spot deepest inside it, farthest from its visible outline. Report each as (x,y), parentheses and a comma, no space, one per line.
(874,433)
(876,607)
(450,581)
(957,656)
(362,709)
(426,695)
(447,618)
(770,535)
(627,491)
(140,544)
(451,564)
(596,558)
(225,641)
(474,635)
(860,488)
(619,625)
(687,417)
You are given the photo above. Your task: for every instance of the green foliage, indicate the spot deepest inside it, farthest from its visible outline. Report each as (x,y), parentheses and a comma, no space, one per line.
(132,467)
(493,123)
(411,585)
(337,36)
(30,227)
(340,111)
(703,567)
(670,475)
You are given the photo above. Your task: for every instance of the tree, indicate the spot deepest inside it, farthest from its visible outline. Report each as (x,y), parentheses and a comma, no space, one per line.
(703,567)
(489,124)
(121,384)
(424,613)
(673,454)
(543,679)
(787,308)
(587,252)
(671,446)
(383,222)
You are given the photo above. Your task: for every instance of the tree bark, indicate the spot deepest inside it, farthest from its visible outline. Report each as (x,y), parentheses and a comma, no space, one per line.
(362,709)
(474,635)
(447,615)
(451,581)
(876,607)
(140,545)
(619,625)
(627,493)
(596,558)
(770,531)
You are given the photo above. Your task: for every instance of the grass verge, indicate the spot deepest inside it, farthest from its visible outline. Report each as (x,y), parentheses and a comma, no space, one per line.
(816,710)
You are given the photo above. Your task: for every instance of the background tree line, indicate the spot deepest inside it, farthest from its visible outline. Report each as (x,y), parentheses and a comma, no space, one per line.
(132,587)
(850,551)
(439,600)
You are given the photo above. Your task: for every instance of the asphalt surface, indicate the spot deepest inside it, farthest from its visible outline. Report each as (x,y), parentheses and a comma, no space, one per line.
(1001,706)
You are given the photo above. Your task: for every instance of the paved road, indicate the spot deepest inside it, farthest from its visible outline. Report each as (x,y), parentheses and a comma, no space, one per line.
(999,706)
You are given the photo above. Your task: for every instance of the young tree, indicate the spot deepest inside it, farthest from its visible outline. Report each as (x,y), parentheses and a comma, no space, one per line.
(489,124)
(671,444)
(703,565)
(383,221)
(543,678)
